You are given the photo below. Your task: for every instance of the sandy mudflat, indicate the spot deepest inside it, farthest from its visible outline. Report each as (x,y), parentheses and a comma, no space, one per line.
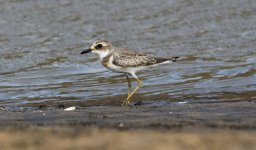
(98,138)
(230,125)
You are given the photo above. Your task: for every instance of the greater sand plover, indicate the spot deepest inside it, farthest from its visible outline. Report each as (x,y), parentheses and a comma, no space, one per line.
(125,61)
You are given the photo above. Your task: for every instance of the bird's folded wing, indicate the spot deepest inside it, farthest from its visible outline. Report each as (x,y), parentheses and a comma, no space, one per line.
(123,52)
(133,61)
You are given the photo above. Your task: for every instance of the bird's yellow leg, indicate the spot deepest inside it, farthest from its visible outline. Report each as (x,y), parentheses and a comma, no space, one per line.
(129,84)
(134,91)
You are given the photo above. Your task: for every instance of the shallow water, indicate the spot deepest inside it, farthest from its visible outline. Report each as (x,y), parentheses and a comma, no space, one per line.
(41,41)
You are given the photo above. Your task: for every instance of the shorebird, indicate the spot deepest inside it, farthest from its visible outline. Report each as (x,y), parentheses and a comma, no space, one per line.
(125,61)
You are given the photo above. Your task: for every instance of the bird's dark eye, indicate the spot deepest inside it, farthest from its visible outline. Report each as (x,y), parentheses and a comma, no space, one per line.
(99,46)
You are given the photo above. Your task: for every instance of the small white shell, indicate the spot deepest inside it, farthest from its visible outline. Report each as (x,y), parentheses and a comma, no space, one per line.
(70,108)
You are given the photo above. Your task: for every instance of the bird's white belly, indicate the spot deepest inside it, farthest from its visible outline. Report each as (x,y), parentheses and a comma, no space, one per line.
(125,70)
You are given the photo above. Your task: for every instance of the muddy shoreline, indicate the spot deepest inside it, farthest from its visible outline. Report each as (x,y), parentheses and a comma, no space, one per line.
(232,115)
(230,125)
(102,138)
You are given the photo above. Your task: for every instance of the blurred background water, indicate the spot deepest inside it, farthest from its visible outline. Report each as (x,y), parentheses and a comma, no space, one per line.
(41,41)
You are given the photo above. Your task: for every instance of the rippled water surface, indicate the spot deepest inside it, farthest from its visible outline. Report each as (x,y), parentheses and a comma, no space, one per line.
(40,44)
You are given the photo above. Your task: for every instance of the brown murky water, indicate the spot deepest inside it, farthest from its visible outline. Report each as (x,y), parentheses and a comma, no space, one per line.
(40,42)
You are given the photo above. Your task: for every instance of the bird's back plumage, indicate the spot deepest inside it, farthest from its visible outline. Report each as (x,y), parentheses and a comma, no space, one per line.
(130,58)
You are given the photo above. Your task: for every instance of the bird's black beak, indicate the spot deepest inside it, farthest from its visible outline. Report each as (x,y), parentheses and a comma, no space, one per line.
(86,51)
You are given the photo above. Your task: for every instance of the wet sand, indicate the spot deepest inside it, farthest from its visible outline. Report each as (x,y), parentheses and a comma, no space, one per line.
(98,138)
(229,125)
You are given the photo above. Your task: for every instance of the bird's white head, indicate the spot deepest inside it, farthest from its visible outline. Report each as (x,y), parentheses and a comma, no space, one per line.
(102,48)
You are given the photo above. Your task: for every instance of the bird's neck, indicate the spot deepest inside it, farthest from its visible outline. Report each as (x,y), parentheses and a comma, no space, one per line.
(102,54)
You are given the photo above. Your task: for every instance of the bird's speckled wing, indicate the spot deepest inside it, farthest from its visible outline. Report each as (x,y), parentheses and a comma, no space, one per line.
(129,58)
(123,52)
(133,61)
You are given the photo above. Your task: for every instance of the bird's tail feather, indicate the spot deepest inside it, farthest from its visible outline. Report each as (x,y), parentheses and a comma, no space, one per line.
(162,60)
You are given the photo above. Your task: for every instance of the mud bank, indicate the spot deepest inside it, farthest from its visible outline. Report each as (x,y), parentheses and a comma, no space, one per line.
(230,125)
(237,115)
(98,138)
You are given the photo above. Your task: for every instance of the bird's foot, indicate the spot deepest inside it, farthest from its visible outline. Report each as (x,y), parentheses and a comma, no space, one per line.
(125,103)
